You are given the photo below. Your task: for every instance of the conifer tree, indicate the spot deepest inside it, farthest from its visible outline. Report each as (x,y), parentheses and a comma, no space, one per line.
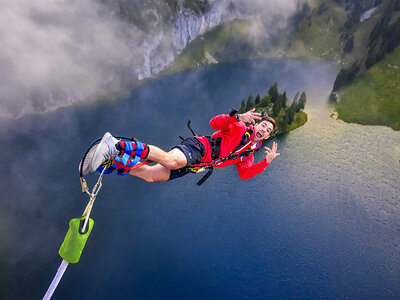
(277,106)
(242,108)
(302,101)
(258,100)
(250,103)
(273,92)
(265,101)
(285,124)
(292,111)
(284,99)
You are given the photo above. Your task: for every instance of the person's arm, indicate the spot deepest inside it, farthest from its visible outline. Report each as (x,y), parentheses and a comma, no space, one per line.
(248,169)
(222,122)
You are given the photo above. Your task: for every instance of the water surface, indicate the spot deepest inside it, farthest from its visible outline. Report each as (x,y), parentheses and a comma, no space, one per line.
(323,221)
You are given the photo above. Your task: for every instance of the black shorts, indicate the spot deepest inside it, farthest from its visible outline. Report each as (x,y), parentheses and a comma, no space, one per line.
(194,152)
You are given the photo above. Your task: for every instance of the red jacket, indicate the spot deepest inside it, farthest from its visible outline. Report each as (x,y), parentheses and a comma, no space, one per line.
(232,132)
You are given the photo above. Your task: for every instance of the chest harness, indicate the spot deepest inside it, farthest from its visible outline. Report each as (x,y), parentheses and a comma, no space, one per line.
(240,151)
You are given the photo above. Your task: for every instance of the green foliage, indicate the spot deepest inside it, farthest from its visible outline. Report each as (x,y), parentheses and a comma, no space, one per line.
(266,101)
(302,101)
(273,92)
(250,103)
(284,99)
(242,108)
(317,30)
(292,112)
(287,117)
(277,107)
(374,98)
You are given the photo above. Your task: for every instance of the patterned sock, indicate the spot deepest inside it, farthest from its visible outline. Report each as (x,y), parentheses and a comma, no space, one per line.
(133,148)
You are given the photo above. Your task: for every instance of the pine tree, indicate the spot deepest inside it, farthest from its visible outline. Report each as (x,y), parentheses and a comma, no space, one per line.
(286,123)
(258,100)
(273,92)
(242,108)
(265,101)
(277,106)
(284,99)
(250,103)
(302,101)
(292,112)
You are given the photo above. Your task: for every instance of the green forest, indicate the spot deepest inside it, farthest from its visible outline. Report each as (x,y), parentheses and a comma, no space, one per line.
(288,116)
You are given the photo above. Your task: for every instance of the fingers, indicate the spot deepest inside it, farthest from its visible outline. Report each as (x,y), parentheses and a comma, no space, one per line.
(274,147)
(256,116)
(272,153)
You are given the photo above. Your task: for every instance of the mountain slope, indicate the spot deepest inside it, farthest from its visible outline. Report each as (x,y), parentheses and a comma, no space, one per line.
(374,98)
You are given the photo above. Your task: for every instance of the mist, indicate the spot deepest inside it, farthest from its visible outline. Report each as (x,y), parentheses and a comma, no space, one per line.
(59,53)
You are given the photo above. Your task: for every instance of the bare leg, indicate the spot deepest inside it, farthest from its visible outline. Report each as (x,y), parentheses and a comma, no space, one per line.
(154,173)
(167,161)
(172,160)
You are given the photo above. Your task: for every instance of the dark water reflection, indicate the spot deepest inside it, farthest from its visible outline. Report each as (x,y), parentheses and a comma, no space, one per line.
(322,221)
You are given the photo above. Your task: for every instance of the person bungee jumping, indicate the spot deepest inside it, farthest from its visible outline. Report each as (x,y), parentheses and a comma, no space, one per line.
(232,143)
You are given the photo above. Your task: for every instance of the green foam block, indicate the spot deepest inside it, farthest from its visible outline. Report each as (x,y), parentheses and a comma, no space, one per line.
(74,242)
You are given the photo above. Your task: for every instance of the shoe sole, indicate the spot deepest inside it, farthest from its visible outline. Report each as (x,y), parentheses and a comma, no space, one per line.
(87,161)
(96,153)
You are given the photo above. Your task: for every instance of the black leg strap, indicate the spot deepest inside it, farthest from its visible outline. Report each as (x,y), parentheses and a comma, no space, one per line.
(205,177)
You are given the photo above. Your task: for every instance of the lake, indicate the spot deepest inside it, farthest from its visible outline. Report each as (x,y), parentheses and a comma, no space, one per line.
(322,221)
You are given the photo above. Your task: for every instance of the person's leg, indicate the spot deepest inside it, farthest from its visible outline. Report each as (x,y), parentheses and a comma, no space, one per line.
(154,173)
(167,161)
(172,160)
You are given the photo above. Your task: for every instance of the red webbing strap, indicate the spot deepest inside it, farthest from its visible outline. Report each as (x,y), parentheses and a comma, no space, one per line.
(143,163)
(121,166)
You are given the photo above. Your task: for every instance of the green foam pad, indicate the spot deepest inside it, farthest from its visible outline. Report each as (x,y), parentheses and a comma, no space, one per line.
(74,242)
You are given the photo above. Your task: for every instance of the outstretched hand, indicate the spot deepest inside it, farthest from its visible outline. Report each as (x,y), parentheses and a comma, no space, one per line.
(250,116)
(271,154)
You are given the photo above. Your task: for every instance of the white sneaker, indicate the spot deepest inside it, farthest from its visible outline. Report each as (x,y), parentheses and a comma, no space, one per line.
(105,150)
(87,161)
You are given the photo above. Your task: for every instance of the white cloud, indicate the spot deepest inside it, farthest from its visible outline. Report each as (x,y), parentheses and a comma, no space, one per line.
(58,52)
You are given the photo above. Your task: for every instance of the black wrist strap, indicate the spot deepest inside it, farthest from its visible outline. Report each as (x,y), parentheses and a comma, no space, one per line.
(232,112)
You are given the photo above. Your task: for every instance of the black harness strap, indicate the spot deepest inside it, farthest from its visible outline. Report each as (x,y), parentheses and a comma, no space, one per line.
(205,177)
(190,128)
(215,146)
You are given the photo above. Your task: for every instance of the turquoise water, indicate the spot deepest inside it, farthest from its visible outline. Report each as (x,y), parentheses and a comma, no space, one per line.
(323,221)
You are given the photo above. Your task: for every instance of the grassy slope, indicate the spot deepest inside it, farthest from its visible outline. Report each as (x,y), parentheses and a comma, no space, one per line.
(318,35)
(299,120)
(375,97)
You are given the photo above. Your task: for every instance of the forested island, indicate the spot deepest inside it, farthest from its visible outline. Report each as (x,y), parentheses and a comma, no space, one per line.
(288,116)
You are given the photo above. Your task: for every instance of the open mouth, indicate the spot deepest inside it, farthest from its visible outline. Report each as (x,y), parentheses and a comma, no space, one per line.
(258,135)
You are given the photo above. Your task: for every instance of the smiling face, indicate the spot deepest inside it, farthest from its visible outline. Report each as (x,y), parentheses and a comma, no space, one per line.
(262,131)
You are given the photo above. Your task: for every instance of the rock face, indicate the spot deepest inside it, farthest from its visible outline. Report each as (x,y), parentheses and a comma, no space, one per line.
(190,25)
(175,37)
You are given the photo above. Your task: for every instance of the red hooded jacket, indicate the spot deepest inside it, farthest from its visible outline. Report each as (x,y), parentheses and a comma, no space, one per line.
(232,132)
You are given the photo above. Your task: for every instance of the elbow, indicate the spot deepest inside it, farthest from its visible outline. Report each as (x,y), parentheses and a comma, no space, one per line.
(244,176)
(212,124)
